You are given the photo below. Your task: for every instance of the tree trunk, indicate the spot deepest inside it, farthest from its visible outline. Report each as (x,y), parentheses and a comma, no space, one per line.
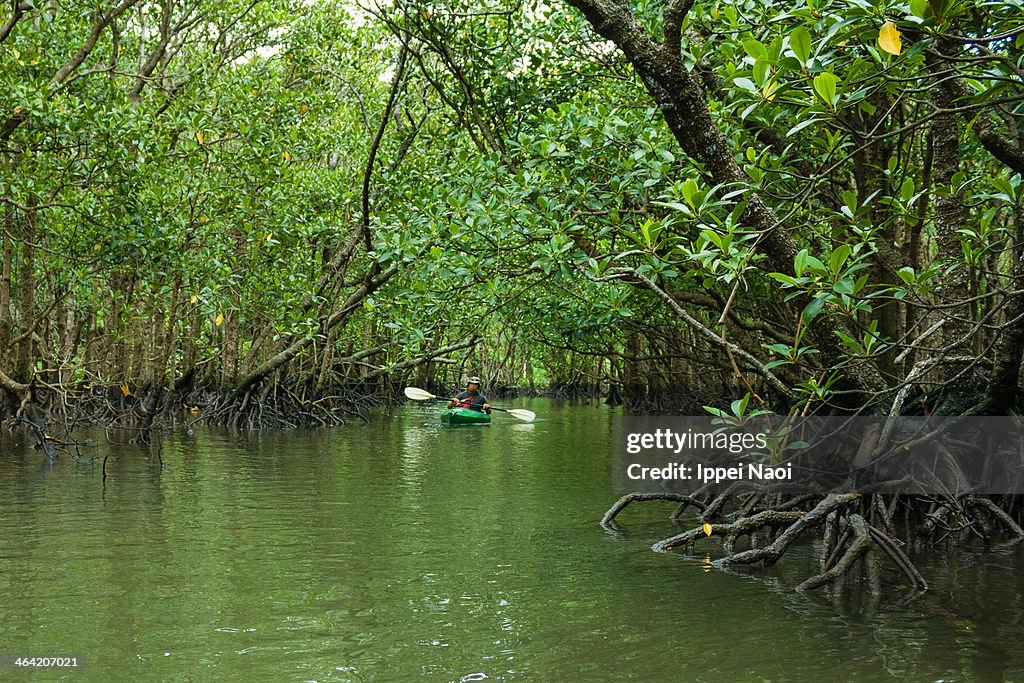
(26,281)
(950,217)
(1004,389)
(169,355)
(69,338)
(229,349)
(5,286)
(279,360)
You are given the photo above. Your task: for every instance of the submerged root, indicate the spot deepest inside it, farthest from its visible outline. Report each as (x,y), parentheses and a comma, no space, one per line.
(771,553)
(746,526)
(858,533)
(149,407)
(857,548)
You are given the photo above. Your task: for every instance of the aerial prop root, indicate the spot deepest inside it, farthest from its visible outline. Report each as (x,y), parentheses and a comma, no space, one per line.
(731,531)
(997,512)
(860,540)
(625,500)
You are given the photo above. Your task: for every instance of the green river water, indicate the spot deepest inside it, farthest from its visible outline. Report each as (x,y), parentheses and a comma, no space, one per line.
(405,551)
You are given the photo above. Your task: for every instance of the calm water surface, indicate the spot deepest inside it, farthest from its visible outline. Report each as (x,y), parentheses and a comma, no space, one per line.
(404,551)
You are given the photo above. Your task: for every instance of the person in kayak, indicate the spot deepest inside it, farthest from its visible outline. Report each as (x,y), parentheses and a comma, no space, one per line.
(471,398)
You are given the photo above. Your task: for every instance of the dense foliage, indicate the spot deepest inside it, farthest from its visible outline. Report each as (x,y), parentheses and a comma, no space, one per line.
(819,203)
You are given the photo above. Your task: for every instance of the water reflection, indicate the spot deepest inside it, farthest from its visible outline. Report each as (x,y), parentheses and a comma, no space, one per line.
(402,550)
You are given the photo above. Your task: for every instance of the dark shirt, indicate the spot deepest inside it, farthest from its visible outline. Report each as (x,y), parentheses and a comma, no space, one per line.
(472,401)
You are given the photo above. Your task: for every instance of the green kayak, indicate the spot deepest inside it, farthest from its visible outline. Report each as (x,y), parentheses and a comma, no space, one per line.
(464,416)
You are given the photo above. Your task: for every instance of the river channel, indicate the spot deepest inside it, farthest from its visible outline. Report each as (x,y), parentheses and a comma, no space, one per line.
(403,550)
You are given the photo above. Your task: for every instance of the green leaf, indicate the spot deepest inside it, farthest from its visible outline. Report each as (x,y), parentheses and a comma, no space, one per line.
(844,286)
(800,43)
(920,8)
(849,341)
(1004,186)
(826,85)
(781,349)
(746,84)
(674,205)
(785,279)
(813,308)
(761,72)
(839,256)
(907,274)
(907,189)
(689,190)
(755,48)
(799,262)
(815,266)
(716,412)
(737,408)
(713,237)
(800,126)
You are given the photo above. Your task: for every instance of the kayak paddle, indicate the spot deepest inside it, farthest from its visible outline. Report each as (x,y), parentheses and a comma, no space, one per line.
(421,395)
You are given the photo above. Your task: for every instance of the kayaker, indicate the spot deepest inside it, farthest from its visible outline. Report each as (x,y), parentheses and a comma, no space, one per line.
(471,398)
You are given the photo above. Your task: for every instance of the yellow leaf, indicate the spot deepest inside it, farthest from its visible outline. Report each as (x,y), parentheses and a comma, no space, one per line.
(124,389)
(270,236)
(199,137)
(220,319)
(889,38)
(287,156)
(768,92)
(707,529)
(193,299)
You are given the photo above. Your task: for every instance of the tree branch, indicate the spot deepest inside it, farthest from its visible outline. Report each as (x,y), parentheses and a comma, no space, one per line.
(710,335)
(998,144)
(672,20)
(396,84)
(17,12)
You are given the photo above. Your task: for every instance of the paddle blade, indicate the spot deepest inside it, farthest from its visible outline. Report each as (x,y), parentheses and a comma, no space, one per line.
(523,414)
(418,394)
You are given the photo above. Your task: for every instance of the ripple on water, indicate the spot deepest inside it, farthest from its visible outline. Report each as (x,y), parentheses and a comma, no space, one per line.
(402,551)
